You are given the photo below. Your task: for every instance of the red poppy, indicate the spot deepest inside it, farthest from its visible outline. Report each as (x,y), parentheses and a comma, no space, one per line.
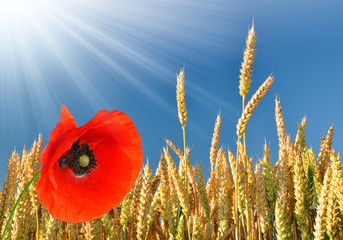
(87,171)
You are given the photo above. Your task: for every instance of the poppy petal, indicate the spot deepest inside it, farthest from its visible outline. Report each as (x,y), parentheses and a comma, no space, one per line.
(122,129)
(61,137)
(117,147)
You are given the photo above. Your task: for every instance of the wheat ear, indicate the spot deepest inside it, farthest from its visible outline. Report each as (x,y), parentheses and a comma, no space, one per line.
(215,141)
(337,178)
(248,59)
(332,212)
(109,224)
(324,154)
(7,200)
(270,185)
(280,124)
(179,186)
(282,208)
(203,194)
(144,202)
(177,150)
(153,208)
(302,204)
(320,224)
(222,215)
(125,211)
(261,199)
(252,104)
(180,97)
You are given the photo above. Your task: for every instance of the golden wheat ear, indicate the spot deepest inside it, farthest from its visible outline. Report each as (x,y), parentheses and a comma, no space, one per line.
(215,141)
(144,202)
(261,200)
(280,124)
(248,60)
(252,104)
(320,223)
(180,97)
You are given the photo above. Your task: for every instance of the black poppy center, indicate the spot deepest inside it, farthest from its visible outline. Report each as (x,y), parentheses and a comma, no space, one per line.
(80,158)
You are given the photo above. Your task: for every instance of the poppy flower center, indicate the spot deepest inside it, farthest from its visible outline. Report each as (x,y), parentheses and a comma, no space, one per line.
(80,158)
(84,161)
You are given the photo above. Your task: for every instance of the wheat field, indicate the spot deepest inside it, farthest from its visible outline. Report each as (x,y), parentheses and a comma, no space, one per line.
(299,197)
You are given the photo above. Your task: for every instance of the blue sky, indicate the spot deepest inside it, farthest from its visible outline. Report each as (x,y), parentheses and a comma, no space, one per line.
(91,55)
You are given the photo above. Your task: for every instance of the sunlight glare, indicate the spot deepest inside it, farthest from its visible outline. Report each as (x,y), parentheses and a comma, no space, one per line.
(13,11)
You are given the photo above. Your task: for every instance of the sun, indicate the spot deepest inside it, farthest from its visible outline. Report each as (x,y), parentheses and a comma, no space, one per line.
(15,12)
(13,8)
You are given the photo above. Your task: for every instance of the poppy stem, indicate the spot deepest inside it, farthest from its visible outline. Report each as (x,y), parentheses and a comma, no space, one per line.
(17,202)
